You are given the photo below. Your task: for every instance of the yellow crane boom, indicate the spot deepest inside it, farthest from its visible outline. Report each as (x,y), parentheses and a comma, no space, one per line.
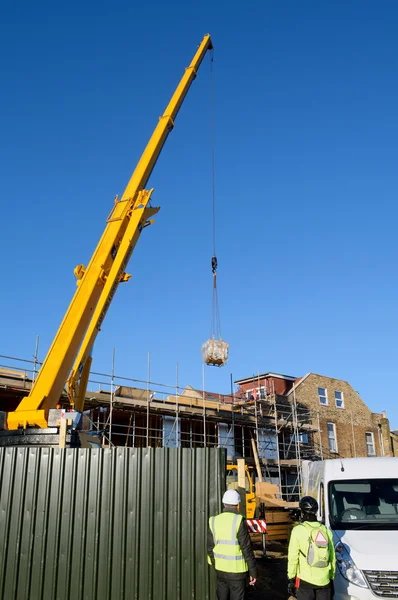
(69,357)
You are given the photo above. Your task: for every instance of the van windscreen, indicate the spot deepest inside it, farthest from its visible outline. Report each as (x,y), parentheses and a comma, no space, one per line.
(363,504)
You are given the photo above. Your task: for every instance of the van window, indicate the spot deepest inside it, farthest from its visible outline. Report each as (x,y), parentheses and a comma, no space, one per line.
(364,504)
(322,502)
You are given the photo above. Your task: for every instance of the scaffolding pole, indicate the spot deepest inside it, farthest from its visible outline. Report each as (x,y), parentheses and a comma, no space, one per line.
(277,447)
(112,396)
(177,409)
(204,406)
(148,399)
(128,430)
(35,359)
(320,436)
(297,440)
(233,414)
(353,435)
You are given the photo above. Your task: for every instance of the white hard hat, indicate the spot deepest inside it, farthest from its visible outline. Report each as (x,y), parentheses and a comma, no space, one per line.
(231,497)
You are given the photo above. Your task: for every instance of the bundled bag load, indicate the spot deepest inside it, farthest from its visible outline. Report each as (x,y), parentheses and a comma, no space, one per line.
(215,352)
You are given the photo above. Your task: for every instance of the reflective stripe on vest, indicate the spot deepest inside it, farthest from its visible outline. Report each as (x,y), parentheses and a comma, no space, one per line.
(228,556)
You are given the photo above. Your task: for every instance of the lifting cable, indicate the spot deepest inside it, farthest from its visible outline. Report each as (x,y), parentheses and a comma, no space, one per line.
(215,314)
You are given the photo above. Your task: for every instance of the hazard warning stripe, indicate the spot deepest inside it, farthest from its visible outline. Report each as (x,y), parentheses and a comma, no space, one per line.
(256,525)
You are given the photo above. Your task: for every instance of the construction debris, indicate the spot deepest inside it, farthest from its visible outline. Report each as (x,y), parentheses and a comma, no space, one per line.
(215,352)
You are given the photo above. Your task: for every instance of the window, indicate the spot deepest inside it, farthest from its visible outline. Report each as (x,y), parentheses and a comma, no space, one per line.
(256,393)
(367,504)
(370,443)
(267,444)
(332,437)
(323,396)
(301,437)
(322,503)
(171,432)
(339,398)
(226,439)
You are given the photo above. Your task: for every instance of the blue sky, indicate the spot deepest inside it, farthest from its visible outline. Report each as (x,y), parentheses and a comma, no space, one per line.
(306,97)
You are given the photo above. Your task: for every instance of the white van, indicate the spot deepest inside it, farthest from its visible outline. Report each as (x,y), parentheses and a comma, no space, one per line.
(358,501)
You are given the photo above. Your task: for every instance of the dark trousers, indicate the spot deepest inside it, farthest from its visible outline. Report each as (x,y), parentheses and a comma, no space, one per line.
(314,593)
(230,589)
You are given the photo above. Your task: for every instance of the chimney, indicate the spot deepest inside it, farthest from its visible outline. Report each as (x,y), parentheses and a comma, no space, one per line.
(386,435)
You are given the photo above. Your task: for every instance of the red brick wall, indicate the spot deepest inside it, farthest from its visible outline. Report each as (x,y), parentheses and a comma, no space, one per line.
(275,384)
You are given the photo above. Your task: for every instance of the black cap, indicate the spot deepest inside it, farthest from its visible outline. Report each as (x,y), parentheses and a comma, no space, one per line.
(308,504)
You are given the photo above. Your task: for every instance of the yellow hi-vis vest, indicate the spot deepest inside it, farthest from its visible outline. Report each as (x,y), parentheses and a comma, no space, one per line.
(228,556)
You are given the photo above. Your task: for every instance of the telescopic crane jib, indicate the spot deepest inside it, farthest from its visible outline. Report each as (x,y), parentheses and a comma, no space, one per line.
(69,358)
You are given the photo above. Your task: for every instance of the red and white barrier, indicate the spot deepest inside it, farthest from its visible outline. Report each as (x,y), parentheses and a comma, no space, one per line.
(256,525)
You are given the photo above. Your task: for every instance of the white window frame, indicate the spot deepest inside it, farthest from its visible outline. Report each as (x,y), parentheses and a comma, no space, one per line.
(259,391)
(325,396)
(373,443)
(336,450)
(339,400)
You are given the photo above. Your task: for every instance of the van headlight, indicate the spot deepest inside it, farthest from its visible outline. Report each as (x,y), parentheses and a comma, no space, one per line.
(347,567)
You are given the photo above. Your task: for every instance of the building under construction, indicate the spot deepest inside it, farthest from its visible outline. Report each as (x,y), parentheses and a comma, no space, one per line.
(258,418)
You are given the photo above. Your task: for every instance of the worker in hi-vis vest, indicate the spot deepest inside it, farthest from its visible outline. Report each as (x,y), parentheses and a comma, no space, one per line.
(311,557)
(229,550)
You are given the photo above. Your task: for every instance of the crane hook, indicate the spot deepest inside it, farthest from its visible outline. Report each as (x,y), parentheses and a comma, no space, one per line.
(214,264)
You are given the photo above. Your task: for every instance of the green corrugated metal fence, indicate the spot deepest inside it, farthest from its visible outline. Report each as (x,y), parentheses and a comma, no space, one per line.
(99,524)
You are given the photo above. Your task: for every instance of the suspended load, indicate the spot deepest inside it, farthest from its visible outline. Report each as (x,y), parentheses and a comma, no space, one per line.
(215,350)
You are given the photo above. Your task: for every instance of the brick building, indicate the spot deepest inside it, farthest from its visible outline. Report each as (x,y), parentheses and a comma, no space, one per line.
(348,428)
(342,423)
(317,417)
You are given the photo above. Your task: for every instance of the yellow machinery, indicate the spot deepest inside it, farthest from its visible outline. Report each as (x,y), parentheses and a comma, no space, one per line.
(69,358)
(233,483)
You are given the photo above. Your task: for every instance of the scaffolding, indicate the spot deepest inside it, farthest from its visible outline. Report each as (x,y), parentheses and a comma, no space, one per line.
(136,413)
